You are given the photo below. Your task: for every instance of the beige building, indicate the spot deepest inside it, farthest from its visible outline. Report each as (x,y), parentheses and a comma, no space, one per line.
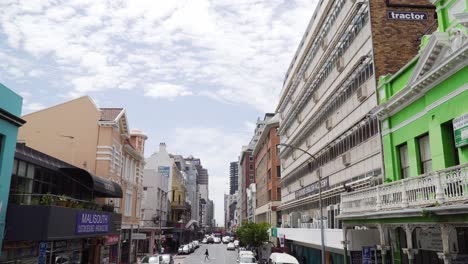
(100,141)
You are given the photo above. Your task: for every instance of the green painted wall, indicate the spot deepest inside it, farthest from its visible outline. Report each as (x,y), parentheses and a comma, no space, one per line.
(10,102)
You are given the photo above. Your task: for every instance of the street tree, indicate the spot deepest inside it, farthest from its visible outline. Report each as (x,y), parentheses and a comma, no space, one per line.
(253,234)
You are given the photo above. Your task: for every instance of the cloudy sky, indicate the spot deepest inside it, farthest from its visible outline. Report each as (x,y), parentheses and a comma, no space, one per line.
(195,74)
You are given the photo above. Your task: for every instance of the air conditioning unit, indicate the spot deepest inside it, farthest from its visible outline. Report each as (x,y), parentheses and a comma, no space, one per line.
(323,43)
(340,64)
(301,182)
(361,93)
(346,158)
(315,97)
(329,123)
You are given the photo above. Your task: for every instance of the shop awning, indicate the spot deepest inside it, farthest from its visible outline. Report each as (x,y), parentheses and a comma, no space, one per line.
(102,187)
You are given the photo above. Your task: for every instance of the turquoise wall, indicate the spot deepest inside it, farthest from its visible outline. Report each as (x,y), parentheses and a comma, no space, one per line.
(12,103)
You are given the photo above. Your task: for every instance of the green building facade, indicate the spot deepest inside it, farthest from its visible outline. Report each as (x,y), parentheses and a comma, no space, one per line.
(10,110)
(421,209)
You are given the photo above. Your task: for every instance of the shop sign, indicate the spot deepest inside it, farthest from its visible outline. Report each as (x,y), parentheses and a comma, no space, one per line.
(42,253)
(311,188)
(138,236)
(366,255)
(460,130)
(92,223)
(164,170)
(401,15)
(274,232)
(112,240)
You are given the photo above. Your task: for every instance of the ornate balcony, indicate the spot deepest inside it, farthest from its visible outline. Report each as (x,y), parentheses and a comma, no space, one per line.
(438,188)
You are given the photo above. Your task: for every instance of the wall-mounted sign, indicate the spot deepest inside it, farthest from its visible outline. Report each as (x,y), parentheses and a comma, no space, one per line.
(42,253)
(311,188)
(164,170)
(138,236)
(112,240)
(460,130)
(400,15)
(366,255)
(92,223)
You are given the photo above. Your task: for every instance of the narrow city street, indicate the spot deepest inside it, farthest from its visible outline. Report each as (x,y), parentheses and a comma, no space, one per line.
(218,255)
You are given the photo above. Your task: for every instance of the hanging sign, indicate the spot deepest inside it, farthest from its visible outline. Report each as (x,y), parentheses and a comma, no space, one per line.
(460,130)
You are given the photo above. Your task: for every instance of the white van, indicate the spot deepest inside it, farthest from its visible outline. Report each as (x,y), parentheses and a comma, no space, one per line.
(283,258)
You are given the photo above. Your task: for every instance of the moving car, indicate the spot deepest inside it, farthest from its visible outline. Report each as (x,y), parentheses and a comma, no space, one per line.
(217,240)
(231,246)
(210,240)
(225,239)
(283,258)
(154,259)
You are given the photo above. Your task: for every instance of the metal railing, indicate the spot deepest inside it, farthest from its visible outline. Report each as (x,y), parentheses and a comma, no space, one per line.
(48,199)
(441,187)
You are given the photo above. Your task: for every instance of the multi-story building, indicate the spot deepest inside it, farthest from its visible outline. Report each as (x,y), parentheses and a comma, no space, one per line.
(233,177)
(10,110)
(210,213)
(52,213)
(421,212)
(155,210)
(193,195)
(328,92)
(267,172)
(98,140)
(251,202)
(246,177)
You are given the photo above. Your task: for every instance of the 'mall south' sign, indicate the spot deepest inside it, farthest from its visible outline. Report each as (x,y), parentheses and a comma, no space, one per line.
(400,15)
(92,223)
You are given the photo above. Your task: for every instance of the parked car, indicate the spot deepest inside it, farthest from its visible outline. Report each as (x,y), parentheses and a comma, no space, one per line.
(231,246)
(186,249)
(236,243)
(231,239)
(277,258)
(166,259)
(225,239)
(180,251)
(196,243)
(204,241)
(153,259)
(217,240)
(190,246)
(247,259)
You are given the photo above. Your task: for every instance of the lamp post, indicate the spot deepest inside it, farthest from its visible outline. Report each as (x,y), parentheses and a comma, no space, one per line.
(322,235)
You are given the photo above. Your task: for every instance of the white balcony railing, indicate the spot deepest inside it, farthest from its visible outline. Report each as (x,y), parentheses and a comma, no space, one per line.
(446,186)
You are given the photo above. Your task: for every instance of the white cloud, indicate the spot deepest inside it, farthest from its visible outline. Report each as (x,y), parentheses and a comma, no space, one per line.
(32,107)
(241,48)
(166,90)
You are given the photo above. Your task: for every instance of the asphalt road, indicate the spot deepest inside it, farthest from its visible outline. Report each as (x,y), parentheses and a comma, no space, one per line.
(218,255)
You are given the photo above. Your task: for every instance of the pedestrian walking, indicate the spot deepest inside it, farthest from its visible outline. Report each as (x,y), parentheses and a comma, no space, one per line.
(207,255)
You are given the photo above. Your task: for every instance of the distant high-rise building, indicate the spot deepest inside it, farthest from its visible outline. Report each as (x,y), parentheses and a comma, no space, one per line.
(233,177)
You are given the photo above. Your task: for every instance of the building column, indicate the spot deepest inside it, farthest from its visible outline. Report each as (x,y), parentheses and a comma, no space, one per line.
(410,251)
(445,233)
(151,243)
(383,247)
(345,243)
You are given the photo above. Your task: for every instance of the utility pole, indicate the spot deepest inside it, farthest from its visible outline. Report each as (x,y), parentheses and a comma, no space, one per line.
(322,234)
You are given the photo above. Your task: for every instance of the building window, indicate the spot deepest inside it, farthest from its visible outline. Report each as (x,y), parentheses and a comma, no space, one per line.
(269,195)
(404,161)
(251,167)
(269,175)
(425,154)
(278,194)
(112,157)
(251,177)
(128,204)
(251,158)
(278,171)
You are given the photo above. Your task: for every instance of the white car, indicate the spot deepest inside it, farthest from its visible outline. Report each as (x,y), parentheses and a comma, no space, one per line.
(204,241)
(279,258)
(225,239)
(196,244)
(247,259)
(190,246)
(236,243)
(186,249)
(217,240)
(230,246)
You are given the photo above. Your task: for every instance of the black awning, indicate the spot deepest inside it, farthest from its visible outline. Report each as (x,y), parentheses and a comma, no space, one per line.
(102,187)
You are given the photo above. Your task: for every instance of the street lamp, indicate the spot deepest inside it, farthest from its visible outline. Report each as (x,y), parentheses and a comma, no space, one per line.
(322,236)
